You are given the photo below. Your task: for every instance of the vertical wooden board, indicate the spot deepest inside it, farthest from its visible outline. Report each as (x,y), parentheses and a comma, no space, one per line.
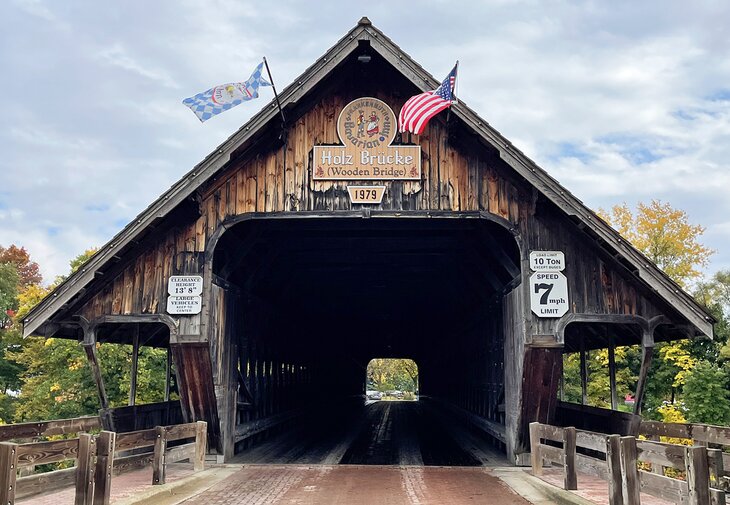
(503,199)
(290,181)
(138,284)
(117,289)
(232,197)
(240,190)
(474,186)
(221,205)
(261,183)
(514,204)
(200,225)
(270,203)
(493,190)
(279,185)
(300,165)
(128,289)
(160,289)
(251,189)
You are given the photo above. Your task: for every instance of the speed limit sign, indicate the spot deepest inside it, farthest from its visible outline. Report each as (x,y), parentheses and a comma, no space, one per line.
(548,294)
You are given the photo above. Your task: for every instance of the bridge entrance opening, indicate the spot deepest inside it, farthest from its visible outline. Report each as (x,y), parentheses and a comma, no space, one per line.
(306,304)
(391,379)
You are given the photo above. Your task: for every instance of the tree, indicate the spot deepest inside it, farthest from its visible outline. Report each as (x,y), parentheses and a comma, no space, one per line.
(665,235)
(667,238)
(706,395)
(388,373)
(28,271)
(8,293)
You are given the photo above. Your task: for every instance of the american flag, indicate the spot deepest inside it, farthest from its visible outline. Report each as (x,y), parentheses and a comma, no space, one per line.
(417,111)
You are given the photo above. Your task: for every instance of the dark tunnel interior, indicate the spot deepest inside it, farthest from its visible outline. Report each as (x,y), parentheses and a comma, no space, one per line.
(319,298)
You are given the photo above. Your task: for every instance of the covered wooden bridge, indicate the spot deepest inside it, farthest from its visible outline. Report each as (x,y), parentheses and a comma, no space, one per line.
(305,245)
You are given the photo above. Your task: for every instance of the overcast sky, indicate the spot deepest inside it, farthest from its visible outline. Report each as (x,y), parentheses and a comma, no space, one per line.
(619,101)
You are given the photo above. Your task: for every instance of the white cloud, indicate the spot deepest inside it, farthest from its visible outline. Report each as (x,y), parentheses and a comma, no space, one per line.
(619,102)
(117,56)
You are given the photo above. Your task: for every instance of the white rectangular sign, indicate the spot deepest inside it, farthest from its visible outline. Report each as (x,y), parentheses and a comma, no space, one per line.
(547,261)
(188,285)
(549,294)
(184,304)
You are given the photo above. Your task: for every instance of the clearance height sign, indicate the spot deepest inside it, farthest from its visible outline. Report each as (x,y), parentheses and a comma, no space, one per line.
(366,127)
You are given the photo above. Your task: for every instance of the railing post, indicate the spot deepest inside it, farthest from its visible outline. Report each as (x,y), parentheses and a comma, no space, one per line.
(630,472)
(158,463)
(698,475)
(569,443)
(201,439)
(105,444)
(8,472)
(613,459)
(535,456)
(717,468)
(85,470)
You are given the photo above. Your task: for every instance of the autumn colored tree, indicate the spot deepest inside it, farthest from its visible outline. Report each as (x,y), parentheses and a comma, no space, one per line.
(665,235)
(392,373)
(28,271)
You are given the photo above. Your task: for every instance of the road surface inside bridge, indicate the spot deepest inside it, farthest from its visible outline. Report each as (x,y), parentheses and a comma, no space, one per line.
(358,485)
(377,433)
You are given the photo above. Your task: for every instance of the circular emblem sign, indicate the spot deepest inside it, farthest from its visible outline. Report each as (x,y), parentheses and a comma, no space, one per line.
(366,123)
(228,93)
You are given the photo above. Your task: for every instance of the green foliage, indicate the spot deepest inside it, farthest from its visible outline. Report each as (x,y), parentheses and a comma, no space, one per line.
(8,293)
(706,395)
(390,374)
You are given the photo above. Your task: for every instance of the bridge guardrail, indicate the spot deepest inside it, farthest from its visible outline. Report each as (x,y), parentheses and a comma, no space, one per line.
(96,461)
(618,461)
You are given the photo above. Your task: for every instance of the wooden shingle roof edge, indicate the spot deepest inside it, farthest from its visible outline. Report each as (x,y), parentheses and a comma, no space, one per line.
(643,268)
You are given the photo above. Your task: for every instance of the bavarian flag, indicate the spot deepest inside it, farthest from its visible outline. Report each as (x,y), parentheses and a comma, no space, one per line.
(209,103)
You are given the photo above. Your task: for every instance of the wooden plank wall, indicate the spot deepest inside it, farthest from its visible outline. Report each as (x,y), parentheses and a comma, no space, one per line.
(454,180)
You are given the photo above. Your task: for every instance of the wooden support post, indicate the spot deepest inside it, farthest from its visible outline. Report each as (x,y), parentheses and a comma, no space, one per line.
(612,372)
(168,375)
(158,463)
(105,444)
(135,362)
(698,475)
(8,472)
(90,348)
(613,459)
(646,355)
(569,446)
(630,482)
(583,374)
(85,469)
(535,456)
(201,438)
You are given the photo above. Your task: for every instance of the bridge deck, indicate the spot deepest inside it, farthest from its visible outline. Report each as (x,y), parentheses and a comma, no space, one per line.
(378,433)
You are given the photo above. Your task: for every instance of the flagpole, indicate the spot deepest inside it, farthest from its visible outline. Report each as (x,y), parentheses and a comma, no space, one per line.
(276,95)
(453,94)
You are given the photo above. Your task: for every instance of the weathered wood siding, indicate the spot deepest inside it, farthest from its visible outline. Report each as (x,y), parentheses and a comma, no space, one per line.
(455,179)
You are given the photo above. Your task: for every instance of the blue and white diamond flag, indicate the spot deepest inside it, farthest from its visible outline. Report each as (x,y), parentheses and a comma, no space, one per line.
(207,104)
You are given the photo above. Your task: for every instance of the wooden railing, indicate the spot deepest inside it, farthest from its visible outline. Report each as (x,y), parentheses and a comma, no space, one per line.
(617,460)
(696,434)
(96,459)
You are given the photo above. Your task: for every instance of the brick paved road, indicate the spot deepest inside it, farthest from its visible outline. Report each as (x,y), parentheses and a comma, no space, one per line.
(355,485)
(123,486)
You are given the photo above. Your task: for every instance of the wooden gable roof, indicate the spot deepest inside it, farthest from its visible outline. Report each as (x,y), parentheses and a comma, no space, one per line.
(182,196)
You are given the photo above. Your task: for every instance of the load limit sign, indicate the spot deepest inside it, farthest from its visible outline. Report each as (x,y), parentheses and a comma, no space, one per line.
(548,286)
